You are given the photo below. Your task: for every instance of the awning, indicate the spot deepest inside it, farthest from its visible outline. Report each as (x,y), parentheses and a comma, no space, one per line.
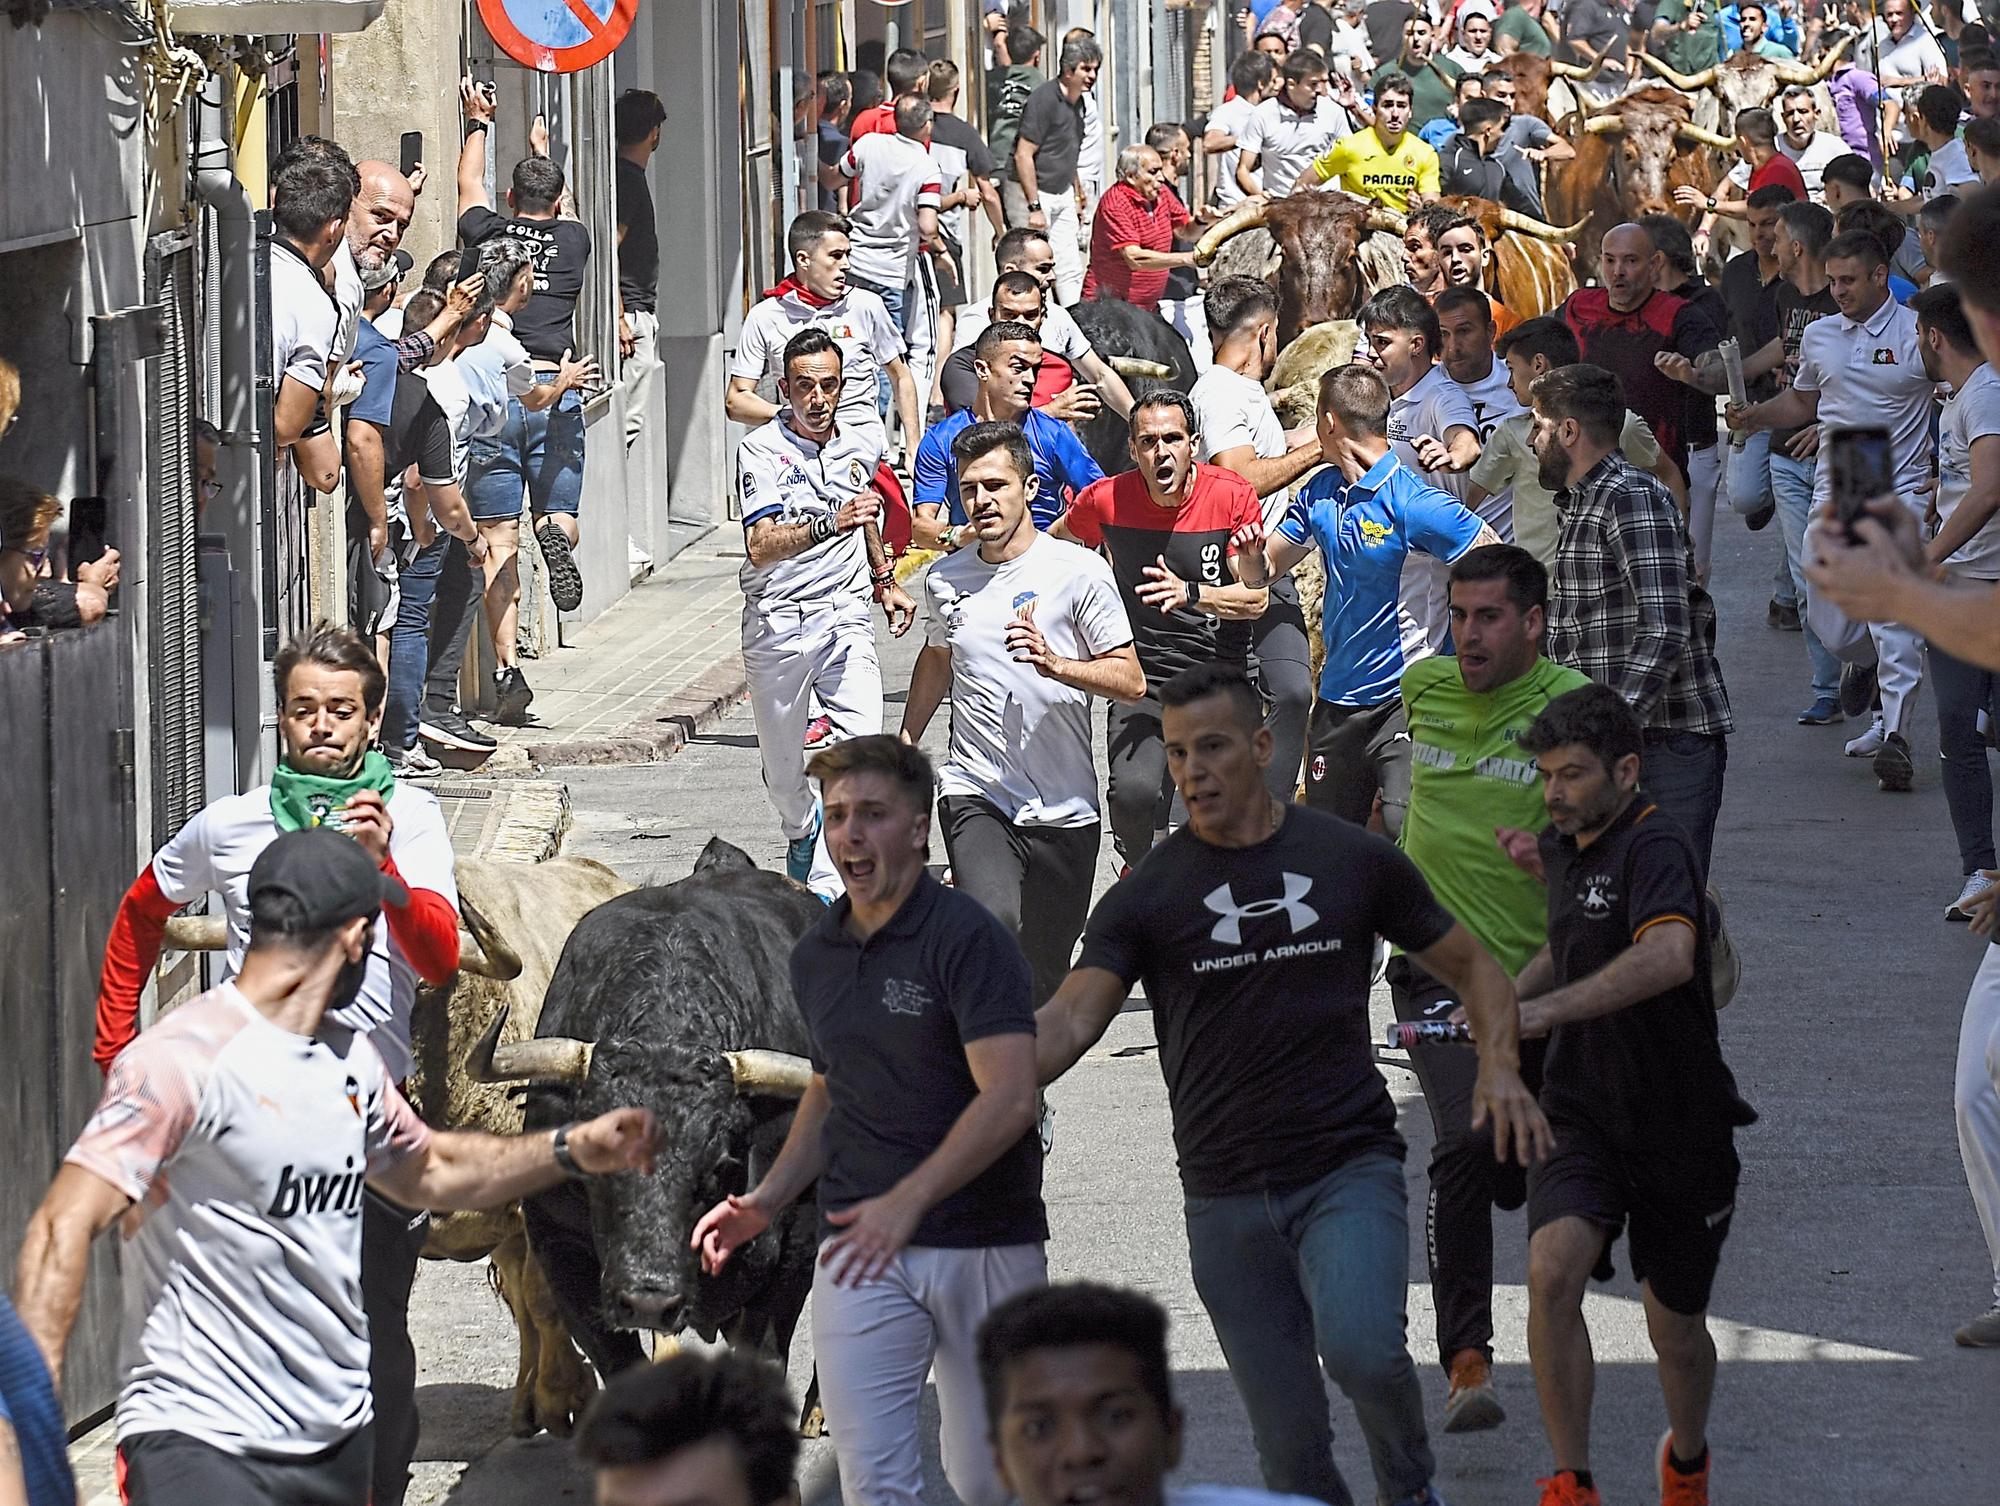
(256,18)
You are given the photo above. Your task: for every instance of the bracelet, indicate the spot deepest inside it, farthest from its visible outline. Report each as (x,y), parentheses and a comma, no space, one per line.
(948,537)
(564,1158)
(477,125)
(822,528)
(883,577)
(1194,594)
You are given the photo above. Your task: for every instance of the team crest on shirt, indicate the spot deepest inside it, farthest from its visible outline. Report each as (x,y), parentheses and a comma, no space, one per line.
(901,996)
(1318,771)
(354,1096)
(1374,534)
(749,486)
(857,475)
(1597,896)
(1884,356)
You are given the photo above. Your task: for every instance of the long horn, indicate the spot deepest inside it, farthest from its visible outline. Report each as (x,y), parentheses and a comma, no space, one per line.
(1688,81)
(773,1073)
(1605,125)
(1386,220)
(558,1060)
(1133,366)
(197,933)
(1823,69)
(1247,216)
(1573,71)
(1707,138)
(1541,230)
(480,949)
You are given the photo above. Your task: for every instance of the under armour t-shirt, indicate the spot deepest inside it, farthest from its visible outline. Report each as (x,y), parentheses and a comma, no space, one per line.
(1256,963)
(1019,739)
(243,1147)
(1119,515)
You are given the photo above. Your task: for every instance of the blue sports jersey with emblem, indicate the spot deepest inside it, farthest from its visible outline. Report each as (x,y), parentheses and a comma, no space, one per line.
(1365,531)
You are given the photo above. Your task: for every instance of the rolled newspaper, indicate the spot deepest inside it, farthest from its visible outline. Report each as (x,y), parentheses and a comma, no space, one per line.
(1732,367)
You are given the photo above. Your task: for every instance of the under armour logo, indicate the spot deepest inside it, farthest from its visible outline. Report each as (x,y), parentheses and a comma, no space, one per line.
(1229,929)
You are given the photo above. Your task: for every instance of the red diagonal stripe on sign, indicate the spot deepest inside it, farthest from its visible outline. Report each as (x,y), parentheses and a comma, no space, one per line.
(592,22)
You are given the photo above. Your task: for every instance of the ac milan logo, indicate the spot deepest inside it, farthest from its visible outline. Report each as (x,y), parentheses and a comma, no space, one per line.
(1318,767)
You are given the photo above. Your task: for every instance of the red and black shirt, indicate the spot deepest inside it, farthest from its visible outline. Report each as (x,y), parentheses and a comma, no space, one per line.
(1625,341)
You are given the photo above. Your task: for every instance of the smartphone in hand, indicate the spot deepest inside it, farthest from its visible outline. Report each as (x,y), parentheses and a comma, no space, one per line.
(1860,469)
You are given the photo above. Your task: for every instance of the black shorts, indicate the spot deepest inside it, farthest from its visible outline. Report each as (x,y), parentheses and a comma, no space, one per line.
(1674,1204)
(172,1469)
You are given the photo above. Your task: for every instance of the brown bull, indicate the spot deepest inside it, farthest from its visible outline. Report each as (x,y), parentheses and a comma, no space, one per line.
(1530,271)
(1748,82)
(1335,250)
(1631,154)
(1535,91)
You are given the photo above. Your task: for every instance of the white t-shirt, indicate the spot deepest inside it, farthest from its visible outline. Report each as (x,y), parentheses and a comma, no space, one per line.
(243,1148)
(951,161)
(1971,413)
(1348,52)
(1493,401)
(1235,411)
(497,368)
(1433,404)
(1871,375)
(783,475)
(858,322)
(305,321)
(448,388)
(1949,170)
(1061,334)
(1232,115)
(1287,142)
(348,296)
(1018,738)
(898,177)
(1473,62)
(1916,56)
(1810,159)
(1090,155)
(212,854)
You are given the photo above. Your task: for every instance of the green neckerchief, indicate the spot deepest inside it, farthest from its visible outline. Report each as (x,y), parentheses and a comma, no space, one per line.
(301,800)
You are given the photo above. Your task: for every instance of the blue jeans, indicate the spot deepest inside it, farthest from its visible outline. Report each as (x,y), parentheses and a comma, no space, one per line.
(1317,1276)
(540,454)
(892,299)
(1963,691)
(1682,772)
(436,586)
(1792,490)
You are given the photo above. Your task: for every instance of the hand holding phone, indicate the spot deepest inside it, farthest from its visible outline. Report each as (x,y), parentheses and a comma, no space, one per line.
(1859,468)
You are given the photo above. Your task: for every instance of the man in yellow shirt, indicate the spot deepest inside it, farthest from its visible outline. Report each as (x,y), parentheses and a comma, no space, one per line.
(1385,162)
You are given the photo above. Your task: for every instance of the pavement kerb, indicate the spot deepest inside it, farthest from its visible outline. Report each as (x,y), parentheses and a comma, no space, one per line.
(665,730)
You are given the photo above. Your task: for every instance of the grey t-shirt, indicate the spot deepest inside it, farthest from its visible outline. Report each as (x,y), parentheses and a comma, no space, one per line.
(1524,131)
(1055,126)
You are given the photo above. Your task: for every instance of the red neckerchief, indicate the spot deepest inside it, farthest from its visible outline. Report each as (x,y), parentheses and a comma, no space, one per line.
(799,291)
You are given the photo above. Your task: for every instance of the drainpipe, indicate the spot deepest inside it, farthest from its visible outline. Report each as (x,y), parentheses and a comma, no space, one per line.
(246,508)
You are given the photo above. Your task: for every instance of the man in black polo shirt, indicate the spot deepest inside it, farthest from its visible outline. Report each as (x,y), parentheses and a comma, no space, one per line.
(918,1125)
(1641,1103)
(636,120)
(1253,928)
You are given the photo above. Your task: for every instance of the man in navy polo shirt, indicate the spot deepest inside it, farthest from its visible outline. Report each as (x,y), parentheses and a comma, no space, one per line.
(918,1125)
(1006,359)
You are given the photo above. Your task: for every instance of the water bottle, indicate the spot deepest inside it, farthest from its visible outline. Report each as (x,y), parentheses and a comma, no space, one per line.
(1407,1035)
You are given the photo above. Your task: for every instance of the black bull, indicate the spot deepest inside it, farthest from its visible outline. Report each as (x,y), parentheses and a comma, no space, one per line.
(663,981)
(1124,331)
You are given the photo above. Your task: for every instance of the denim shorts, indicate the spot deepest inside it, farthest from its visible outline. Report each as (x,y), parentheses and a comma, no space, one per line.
(538,455)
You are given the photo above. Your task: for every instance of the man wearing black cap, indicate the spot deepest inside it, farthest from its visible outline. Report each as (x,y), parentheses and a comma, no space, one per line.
(234,1139)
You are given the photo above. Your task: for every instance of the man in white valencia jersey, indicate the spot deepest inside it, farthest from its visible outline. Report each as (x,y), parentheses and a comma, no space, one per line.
(815,560)
(232,1146)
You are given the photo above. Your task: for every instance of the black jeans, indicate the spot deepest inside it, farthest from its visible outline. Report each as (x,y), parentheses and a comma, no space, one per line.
(1682,772)
(454,610)
(172,1469)
(1035,879)
(1279,645)
(391,1237)
(1963,691)
(1466,1182)
(1136,793)
(1355,751)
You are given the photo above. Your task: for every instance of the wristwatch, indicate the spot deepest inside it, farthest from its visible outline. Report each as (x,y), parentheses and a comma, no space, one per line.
(564,1158)
(1035,206)
(477,125)
(1711,201)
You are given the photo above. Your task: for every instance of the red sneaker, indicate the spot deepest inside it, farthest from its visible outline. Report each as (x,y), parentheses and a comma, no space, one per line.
(818,730)
(1561,1489)
(1677,1489)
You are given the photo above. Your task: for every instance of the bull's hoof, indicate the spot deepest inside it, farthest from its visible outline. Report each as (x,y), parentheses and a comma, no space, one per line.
(813,1424)
(521,1421)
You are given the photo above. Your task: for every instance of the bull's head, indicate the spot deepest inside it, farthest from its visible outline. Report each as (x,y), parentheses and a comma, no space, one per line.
(1747,81)
(719,1111)
(1650,130)
(1319,236)
(1532,75)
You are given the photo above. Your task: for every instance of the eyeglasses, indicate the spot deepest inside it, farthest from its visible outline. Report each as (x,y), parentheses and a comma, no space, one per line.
(210,490)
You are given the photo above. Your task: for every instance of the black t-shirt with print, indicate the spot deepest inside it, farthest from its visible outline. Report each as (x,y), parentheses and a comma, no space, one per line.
(1651,1073)
(890,1019)
(546,325)
(1795,310)
(1256,962)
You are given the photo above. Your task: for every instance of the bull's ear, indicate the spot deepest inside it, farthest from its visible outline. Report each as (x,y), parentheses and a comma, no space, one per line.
(719,855)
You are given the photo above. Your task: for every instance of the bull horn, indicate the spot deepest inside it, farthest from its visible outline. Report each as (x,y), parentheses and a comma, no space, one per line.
(1246,216)
(1687,81)
(1605,125)
(1386,220)
(196,933)
(1818,73)
(1133,366)
(556,1060)
(480,949)
(1541,230)
(773,1073)
(1575,71)
(1707,138)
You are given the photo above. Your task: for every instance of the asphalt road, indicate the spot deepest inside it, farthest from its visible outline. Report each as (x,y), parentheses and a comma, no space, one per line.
(1855,1250)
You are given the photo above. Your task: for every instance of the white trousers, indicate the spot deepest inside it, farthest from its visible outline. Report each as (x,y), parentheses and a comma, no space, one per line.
(1704,482)
(1896,652)
(1977,1100)
(640,371)
(1189,318)
(875,1343)
(795,659)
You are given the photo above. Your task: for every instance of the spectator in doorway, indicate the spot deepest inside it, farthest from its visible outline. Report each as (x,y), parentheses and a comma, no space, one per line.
(28,598)
(309,207)
(717,1428)
(835,95)
(636,120)
(908,72)
(544,448)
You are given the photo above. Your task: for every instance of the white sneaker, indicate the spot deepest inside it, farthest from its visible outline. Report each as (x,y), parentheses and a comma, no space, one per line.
(1976,884)
(1869,743)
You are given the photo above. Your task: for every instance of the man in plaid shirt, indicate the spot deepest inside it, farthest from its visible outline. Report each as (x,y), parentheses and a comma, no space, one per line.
(1624,606)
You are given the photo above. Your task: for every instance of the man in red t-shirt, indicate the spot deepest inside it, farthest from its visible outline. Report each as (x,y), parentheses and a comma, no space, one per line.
(1132,240)
(1757,147)
(1166,526)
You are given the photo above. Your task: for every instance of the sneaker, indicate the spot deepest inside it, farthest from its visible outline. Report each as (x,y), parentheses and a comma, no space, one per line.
(1725,963)
(799,853)
(1561,1489)
(818,730)
(1895,771)
(1760,520)
(1869,743)
(565,580)
(1983,1332)
(1784,616)
(1472,1406)
(1824,712)
(512,695)
(1976,884)
(452,730)
(1677,1489)
(413,763)
(1857,688)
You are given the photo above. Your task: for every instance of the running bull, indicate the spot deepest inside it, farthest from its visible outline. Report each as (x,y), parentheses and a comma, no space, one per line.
(677,997)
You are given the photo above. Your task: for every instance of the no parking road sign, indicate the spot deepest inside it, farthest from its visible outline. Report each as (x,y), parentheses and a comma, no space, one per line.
(558,36)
